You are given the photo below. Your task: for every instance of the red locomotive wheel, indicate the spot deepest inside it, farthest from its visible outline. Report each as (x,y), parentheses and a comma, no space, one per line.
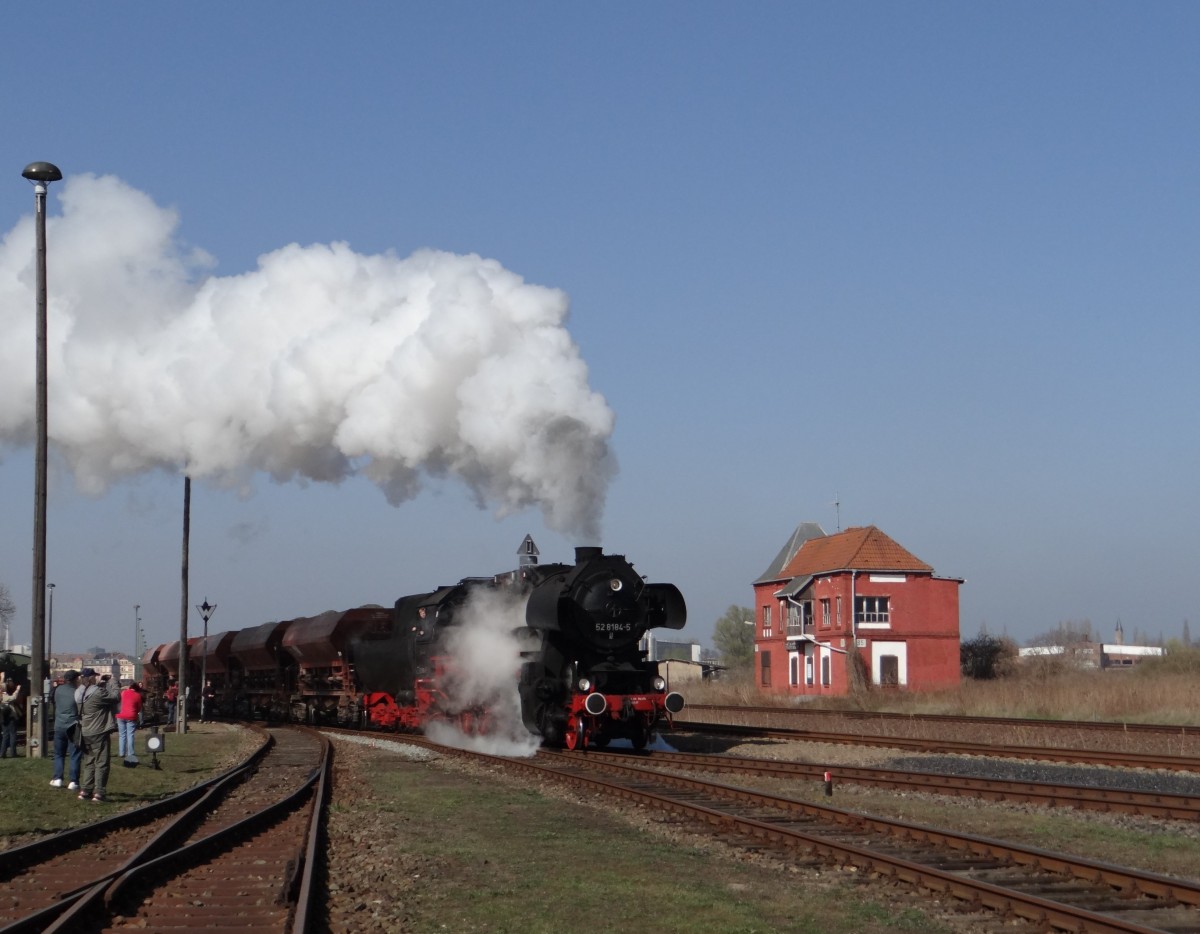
(575,738)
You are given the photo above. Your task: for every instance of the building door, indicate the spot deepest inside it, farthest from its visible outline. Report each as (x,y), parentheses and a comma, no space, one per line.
(889,663)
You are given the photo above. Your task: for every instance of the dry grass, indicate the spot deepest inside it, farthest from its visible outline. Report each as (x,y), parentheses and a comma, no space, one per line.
(1156,694)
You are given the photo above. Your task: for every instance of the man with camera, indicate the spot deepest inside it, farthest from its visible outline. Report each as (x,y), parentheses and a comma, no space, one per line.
(96,705)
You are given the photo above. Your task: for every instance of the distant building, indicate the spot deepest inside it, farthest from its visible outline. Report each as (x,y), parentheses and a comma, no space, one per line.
(1102,655)
(658,650)
(826,597)
(118,666)
(678,661)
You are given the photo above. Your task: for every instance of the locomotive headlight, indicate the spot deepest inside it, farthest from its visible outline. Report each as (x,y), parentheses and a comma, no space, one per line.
(595,704)
(584,685)
(659,684)
(615,584)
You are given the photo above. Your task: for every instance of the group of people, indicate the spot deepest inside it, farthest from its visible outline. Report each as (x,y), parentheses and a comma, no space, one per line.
(88,707)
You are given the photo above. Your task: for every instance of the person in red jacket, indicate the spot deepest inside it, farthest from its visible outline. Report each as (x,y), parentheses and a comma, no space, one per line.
(171,698)
(128,718)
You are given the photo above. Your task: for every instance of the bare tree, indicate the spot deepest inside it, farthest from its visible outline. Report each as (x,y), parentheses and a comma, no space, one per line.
(1067,632)
(8,610)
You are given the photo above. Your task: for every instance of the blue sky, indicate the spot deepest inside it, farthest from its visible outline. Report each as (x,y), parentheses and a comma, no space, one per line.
(936,262)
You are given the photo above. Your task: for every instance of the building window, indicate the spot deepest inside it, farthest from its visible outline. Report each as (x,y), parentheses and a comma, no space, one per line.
(871,609)
(794,670)
(824,614)
(766,622)
(766,668)
(825,670)
(839,611)
(808,669)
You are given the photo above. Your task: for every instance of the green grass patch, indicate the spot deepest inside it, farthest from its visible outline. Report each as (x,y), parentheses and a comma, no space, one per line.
(481,856)
(30,806)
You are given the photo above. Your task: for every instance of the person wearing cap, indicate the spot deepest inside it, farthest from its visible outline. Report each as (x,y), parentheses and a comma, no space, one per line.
(96,705)
(66,715)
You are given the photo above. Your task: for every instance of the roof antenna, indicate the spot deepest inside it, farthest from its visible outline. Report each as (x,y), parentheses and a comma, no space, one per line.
(837,504)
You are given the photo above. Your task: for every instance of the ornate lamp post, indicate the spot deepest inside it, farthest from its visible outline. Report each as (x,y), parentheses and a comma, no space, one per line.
(206,612)
(41,174)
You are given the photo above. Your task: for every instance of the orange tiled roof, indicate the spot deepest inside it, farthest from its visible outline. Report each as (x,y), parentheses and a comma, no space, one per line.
(858,549)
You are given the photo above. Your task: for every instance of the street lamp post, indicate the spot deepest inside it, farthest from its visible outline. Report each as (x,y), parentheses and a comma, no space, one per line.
(206,612)
(41,174)
(50,634)
(137,648)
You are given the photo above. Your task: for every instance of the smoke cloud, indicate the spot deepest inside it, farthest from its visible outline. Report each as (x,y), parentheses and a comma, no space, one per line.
(320,364)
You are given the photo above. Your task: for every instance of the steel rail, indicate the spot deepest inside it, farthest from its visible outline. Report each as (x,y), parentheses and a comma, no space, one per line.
(1104,726)
(951,747)
(303,919)
(1125,801)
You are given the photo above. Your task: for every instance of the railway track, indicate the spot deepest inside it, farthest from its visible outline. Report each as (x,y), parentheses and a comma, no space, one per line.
(726,711)
(1110,800)
(235,854)
(1117,759)
(1059,891)
(1047,890)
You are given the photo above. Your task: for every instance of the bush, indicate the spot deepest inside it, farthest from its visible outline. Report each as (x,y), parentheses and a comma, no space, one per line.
(986,657)
(1179,660)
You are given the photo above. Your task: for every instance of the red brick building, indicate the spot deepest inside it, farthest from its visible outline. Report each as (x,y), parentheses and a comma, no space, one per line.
(826,597)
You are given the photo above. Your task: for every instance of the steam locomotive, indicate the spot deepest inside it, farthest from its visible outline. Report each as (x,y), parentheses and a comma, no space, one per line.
(555,646)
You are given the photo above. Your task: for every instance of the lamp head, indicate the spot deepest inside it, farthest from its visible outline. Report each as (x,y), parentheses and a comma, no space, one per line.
(42,172)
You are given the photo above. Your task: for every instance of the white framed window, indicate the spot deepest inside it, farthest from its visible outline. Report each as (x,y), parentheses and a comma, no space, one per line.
(872,610)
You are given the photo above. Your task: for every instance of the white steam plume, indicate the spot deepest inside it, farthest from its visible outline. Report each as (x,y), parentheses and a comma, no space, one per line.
(319,364)
(487,660)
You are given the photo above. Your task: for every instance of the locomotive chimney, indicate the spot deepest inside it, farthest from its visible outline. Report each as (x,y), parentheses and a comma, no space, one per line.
(586,552)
